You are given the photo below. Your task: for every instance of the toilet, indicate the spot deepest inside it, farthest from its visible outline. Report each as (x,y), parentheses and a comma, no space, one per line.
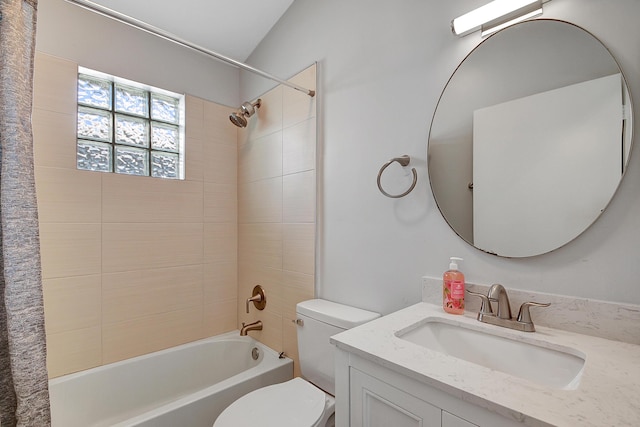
(299,402)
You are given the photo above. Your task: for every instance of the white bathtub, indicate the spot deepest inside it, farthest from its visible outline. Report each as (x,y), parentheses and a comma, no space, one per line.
(189,385)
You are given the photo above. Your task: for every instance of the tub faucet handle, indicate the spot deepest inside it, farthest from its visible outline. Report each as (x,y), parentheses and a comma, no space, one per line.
(258,298)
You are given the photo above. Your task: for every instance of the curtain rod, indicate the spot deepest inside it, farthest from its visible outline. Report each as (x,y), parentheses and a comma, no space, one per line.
(140,25)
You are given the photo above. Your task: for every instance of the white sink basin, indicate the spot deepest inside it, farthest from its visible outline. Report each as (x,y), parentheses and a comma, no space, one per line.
(559,368)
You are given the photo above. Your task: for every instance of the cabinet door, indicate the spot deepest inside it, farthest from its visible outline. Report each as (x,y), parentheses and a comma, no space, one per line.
(450,420)
(378,404)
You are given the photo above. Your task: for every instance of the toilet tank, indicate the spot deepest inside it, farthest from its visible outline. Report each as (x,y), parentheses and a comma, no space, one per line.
(317,320)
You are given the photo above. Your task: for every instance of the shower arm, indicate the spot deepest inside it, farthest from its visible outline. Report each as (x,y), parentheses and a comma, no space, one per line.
(143,26)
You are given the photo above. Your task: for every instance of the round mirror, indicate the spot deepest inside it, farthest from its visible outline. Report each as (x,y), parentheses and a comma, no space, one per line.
(530,138)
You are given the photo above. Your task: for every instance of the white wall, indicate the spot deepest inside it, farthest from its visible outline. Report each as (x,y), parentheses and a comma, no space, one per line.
(382,66)
(71,32)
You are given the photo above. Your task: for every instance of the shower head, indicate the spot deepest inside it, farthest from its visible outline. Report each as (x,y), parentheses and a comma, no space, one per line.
(238,119)
(246,110)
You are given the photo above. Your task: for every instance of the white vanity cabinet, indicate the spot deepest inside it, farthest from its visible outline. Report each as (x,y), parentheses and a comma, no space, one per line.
(386,376)
(370,395)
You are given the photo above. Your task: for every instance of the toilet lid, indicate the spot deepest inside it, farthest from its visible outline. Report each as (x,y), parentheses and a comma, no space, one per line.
(295,403)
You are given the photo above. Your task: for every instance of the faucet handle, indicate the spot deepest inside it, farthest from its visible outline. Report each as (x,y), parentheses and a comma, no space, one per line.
(485,304)
(254,299)
(258,298)
(524,316)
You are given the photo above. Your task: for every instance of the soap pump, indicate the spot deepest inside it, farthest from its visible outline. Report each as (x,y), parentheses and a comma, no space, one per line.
(453,288)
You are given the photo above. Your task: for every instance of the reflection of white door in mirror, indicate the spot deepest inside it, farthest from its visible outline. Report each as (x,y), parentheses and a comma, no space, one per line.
(533,154)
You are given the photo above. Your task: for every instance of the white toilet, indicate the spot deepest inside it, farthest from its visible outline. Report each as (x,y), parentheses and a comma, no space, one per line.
(300,402)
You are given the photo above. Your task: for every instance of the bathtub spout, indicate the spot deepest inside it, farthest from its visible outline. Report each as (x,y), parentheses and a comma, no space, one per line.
(255,326)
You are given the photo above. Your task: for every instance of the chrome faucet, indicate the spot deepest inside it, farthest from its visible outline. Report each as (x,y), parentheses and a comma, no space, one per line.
(502,317)
(255,326)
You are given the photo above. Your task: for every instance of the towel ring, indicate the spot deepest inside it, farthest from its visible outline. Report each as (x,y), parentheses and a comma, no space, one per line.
(404,161)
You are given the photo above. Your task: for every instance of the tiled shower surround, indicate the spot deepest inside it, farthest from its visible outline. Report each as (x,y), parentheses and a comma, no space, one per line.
(134,264)
(277,210)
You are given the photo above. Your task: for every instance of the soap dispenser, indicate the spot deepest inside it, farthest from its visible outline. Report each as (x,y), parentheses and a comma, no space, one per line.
(453,288)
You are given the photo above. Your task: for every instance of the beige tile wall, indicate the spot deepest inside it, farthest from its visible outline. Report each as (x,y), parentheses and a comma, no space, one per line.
(277,212)
(132,264)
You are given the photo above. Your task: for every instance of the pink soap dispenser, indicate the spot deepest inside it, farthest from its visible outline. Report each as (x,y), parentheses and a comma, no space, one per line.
(453,288)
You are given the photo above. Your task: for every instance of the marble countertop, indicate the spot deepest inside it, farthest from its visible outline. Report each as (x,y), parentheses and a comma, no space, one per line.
(607,395)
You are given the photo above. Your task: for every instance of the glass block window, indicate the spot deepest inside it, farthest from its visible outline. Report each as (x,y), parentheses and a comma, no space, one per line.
(126,127)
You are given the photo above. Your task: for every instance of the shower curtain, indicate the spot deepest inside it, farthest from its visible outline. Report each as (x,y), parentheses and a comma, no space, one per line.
(24,394)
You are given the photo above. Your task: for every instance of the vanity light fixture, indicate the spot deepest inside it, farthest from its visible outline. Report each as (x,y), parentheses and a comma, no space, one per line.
(496,15)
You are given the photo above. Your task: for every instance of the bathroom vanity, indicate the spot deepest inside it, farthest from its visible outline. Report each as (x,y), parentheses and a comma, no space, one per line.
(390,372)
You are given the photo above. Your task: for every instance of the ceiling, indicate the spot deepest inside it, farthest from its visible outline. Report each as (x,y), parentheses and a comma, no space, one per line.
(233,29)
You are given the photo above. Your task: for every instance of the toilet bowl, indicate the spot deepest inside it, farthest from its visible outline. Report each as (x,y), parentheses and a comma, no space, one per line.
(308,401)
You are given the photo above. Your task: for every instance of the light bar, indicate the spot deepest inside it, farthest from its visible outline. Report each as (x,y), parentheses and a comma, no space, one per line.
(496,15)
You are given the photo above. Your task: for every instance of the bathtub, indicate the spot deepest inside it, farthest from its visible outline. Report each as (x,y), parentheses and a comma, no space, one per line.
(189,385)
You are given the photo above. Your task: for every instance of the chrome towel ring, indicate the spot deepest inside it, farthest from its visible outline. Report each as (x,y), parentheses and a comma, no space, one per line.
(404,161)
